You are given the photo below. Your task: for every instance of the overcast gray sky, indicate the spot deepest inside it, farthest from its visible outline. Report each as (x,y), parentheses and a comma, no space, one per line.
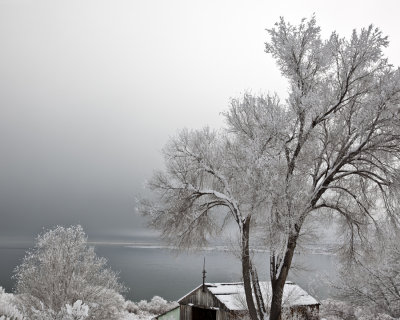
(90,91)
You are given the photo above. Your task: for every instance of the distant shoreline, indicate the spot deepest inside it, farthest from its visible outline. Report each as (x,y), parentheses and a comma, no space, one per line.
(318,250)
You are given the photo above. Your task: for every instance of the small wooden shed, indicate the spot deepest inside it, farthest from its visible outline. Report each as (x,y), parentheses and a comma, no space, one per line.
(226,301)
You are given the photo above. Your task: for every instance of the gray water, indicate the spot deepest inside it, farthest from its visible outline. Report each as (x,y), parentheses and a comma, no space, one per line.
(150,271)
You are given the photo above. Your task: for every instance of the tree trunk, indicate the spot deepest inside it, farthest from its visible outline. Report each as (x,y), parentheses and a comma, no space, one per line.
(257,292)
(278,280)
(246,270)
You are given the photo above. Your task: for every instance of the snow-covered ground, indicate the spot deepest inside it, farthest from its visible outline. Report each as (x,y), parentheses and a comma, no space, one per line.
(147,310)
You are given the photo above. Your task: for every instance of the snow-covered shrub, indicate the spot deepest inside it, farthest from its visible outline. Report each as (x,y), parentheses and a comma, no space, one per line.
(156,305)
(8,309)
(144,310)
(62,269)
(336,310)
(77,311)
(339,310)
(362,313)
(372,281)
(131,307)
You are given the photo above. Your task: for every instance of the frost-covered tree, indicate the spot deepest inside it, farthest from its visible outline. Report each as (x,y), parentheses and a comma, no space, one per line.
(332,148)
(373,280)
(342,146)
(62,269)
(208,181)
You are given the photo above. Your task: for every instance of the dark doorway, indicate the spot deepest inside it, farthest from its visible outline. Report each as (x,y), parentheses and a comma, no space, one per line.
(203,314)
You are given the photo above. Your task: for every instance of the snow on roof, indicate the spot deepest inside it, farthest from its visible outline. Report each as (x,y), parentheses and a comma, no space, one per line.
(233,297)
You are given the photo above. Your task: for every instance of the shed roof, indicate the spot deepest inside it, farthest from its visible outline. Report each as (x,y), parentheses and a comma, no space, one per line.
(232,295)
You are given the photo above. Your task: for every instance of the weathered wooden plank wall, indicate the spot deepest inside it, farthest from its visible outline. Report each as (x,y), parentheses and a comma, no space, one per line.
(203,299)
(185,312)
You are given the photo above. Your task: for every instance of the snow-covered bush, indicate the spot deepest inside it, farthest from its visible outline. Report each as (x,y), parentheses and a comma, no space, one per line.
(144,310)
(336,310)
(62,269)
(367,314)
(156,305)
(78,311)
(8,309)
(131,307)
(339,310)
(372,280)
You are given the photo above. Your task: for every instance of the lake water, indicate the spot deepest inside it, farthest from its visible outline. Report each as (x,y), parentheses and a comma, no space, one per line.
(150,270)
